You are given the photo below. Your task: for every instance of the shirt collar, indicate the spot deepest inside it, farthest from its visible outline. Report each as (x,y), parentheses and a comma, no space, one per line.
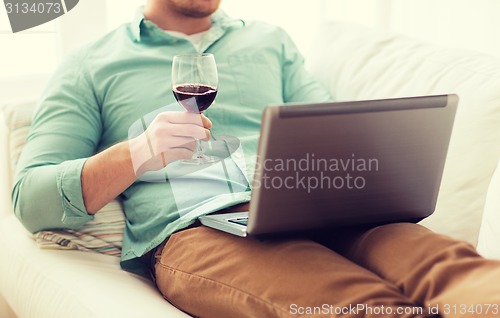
(220,20)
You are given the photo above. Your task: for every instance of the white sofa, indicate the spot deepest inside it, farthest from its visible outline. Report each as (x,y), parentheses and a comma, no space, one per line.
(355,63)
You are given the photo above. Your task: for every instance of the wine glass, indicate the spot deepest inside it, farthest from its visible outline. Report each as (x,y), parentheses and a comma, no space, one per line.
(194,84)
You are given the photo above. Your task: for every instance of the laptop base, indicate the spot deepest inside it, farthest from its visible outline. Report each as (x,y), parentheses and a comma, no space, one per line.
(226,222)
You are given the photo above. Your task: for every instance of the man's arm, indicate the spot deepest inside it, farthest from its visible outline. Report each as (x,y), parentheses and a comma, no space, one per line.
(59,181)
(65,131)
(106,175)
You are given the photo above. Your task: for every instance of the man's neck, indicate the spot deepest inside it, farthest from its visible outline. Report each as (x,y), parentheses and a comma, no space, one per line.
(166,19)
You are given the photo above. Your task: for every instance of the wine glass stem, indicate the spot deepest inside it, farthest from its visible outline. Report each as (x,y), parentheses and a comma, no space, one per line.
(198,153)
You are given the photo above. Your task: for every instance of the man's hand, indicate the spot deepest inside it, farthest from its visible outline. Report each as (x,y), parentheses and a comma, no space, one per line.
(170,137)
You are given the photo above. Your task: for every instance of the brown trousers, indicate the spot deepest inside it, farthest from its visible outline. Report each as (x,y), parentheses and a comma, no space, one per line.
(397,270)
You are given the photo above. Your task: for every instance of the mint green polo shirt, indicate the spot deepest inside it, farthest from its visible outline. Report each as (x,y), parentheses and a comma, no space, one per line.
(111,89)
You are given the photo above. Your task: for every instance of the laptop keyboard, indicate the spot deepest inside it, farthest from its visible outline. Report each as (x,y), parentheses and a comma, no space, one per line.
(241,221)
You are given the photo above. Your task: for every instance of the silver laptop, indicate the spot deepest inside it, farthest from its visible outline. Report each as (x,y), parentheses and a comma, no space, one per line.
(343,164)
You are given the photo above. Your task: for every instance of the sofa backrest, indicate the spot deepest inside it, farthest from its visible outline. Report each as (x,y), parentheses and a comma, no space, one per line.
(357,63)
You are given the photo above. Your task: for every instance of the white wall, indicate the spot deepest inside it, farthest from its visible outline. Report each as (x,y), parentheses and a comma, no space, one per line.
(466,24)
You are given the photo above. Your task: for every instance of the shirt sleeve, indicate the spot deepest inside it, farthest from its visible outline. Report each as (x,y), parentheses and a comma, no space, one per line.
(65,131)
(299,84)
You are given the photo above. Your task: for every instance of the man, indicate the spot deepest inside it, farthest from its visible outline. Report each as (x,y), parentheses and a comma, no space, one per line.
(81,154)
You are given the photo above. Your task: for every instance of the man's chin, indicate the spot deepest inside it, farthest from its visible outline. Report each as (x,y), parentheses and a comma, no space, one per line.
(198,14)
(196,9)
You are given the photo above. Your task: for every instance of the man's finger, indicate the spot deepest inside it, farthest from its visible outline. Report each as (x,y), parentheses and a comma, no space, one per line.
(165,144)
(207,123)
(182,142)
(187,130)
(181,118)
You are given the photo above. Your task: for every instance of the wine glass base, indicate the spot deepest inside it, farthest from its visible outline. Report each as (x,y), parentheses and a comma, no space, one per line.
(201,160)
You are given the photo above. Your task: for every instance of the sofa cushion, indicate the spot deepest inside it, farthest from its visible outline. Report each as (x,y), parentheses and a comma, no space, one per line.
(104,234)
(489,234)
(17,117)
(357,63)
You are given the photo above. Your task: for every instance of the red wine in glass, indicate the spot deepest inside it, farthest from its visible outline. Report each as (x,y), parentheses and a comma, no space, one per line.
(195,98)
(194,84)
